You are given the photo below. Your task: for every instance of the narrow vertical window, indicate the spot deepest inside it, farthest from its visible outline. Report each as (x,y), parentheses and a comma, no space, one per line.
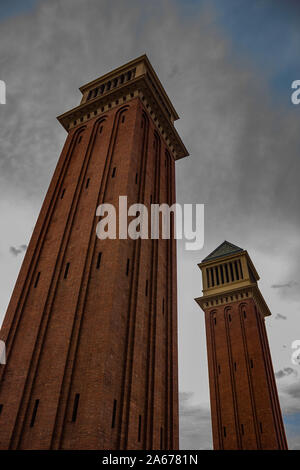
(163,306)
(217,275)
(226,272)
(251,363)
(235,366)
(222,274)
(79,139)
(1,407)
(245,316)
(224,431)
(242,429)
(229,316)
(75,407)
(113,172)
(127,267)
(66,270)
(123,118)
(215,320)
(241,270)
(136,178)
(151,199)
(34,412)
(63,193)
(219,369)
(212,277)
(99,260)
(140,428)
(207,277)
(100,130)
(113,419)
(260,427)
(87,183)
(231,272)
(146,288)
(236,270)
(37,279)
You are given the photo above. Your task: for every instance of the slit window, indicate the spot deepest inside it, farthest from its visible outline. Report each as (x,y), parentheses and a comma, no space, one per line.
(113,419)
(242,429)
(226,272)
(87,183)
(101,129)
(222,274)
(215,320)
(140,428)
(37,279)
(75,407)
(146,288)
(207,277)
(235,366)
(212,277)
(99,260)
(34,412)
(136,178)
(113,172)
(236,270)
(62,193)
(219,369)
(66,270)
(1,408)
(240,266)
(260,427)
(163,306)
(231,271)
(123,118)
(224,431)
(229,316)
(245,316)
(251,363)
(217,275)
(127,267)
(79,139)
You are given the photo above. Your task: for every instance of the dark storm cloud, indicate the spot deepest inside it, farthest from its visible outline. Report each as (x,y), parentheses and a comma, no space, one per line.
(195,424)
(285,372)
(293,389)
(16,251)
(288,284)
(244,162)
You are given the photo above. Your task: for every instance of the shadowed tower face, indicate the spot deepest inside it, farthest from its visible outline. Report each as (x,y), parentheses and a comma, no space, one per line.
(91,329)
(244,402)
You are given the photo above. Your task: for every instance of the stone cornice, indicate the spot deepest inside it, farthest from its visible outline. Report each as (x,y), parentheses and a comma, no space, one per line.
(240,294)
(143,83)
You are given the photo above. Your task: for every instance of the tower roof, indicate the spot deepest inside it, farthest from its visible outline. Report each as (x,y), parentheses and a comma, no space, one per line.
(226,248)
(136,78)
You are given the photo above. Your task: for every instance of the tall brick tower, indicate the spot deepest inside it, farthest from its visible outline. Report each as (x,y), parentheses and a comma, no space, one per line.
(91,328)
(244,402)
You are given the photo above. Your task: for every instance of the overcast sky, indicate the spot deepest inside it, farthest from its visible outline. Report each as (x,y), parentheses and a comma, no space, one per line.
(228,68)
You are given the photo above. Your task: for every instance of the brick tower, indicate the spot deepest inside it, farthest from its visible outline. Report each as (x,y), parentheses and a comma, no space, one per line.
(244,402)
(91,328)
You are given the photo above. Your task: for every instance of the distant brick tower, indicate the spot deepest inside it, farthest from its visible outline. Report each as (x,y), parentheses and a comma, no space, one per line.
(91,329)
(244,402)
